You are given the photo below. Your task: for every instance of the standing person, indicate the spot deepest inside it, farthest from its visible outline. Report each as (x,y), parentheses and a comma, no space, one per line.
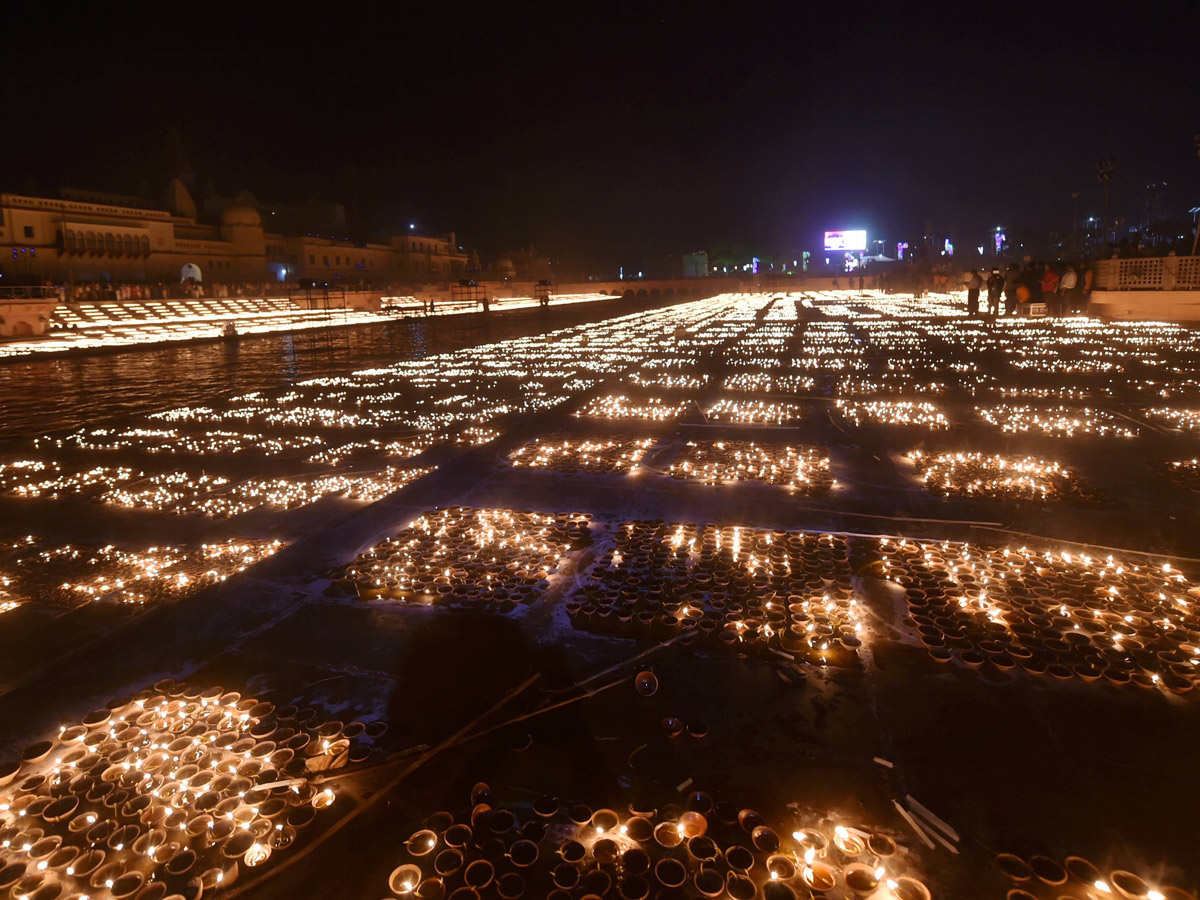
(1033,281)
(1012,278)
(995,285)
(862,283)
(1085,288)
(1070,294)
(1050,291)
(974,285)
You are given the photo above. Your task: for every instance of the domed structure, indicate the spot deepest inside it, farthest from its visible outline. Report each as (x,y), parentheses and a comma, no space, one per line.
(237,214)
(505,268)
(242,227)
(179,201)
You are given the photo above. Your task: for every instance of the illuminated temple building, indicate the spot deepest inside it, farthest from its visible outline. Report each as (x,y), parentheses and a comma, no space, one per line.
(83,236)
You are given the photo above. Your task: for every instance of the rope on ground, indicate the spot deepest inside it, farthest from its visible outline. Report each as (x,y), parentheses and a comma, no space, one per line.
(652,649)
(542,709)
(1148,553)
(1024,534)
(842,512)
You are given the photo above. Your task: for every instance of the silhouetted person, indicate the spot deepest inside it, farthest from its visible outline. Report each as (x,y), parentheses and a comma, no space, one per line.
(1050,290)
(1012,280)
(1067,287)
(1087,276)
(995,286)
(974,285)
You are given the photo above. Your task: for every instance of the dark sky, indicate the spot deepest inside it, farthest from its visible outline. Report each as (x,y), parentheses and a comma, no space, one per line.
(609,130)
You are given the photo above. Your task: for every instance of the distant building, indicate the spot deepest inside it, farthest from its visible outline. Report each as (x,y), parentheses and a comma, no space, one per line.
(687,265)
(695,265)
(522,265)
(1154,204)
(310,217)
(88,236)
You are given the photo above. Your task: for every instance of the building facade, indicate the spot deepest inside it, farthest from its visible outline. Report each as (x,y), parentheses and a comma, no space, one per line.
(79,238)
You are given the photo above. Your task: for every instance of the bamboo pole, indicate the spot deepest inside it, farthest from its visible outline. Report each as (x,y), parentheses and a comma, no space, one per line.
(380,793)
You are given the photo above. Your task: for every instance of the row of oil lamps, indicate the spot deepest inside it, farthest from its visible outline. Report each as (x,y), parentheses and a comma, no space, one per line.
(173,791)
(699,849)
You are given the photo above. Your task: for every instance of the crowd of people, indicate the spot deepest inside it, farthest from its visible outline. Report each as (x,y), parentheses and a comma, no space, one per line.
(97,291)
(108,290)
(1015,289)
(1063,290)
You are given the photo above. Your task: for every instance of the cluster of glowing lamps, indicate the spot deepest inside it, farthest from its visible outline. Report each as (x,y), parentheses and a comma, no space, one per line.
(732,584)
(487,550)
(71,575)
(178,785)
(1183,472)
(769,383)
(621,406)
(892,412)
(559,452)
(1082,616)
(1056,421)
(805,468)
(181,492)
(994,476)
(733,411)
(693,851)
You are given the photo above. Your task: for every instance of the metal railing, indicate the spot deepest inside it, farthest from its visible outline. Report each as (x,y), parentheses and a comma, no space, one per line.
(29,292)
(1149,273)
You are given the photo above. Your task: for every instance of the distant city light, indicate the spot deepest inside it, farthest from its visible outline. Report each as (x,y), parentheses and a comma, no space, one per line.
(845,240)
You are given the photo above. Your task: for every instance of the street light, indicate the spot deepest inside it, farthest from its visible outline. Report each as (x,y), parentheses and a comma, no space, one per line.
(1196,239)
(1104,171)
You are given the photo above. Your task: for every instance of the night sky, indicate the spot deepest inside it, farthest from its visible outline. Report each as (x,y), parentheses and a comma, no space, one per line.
(602,132)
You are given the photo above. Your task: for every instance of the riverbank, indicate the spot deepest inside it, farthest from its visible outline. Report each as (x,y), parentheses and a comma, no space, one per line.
(86,328)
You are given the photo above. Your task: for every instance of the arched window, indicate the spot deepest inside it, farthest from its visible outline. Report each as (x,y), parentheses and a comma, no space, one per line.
(145,245)
(127,241)
(69,240)
(109,242)
(91,242)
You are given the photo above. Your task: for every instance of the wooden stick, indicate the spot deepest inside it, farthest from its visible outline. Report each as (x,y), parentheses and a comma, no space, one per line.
(521,718)
(454,738)
(930,817)
(913,824)
(394,760)
(619,665)
(943,841)
(543,709)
